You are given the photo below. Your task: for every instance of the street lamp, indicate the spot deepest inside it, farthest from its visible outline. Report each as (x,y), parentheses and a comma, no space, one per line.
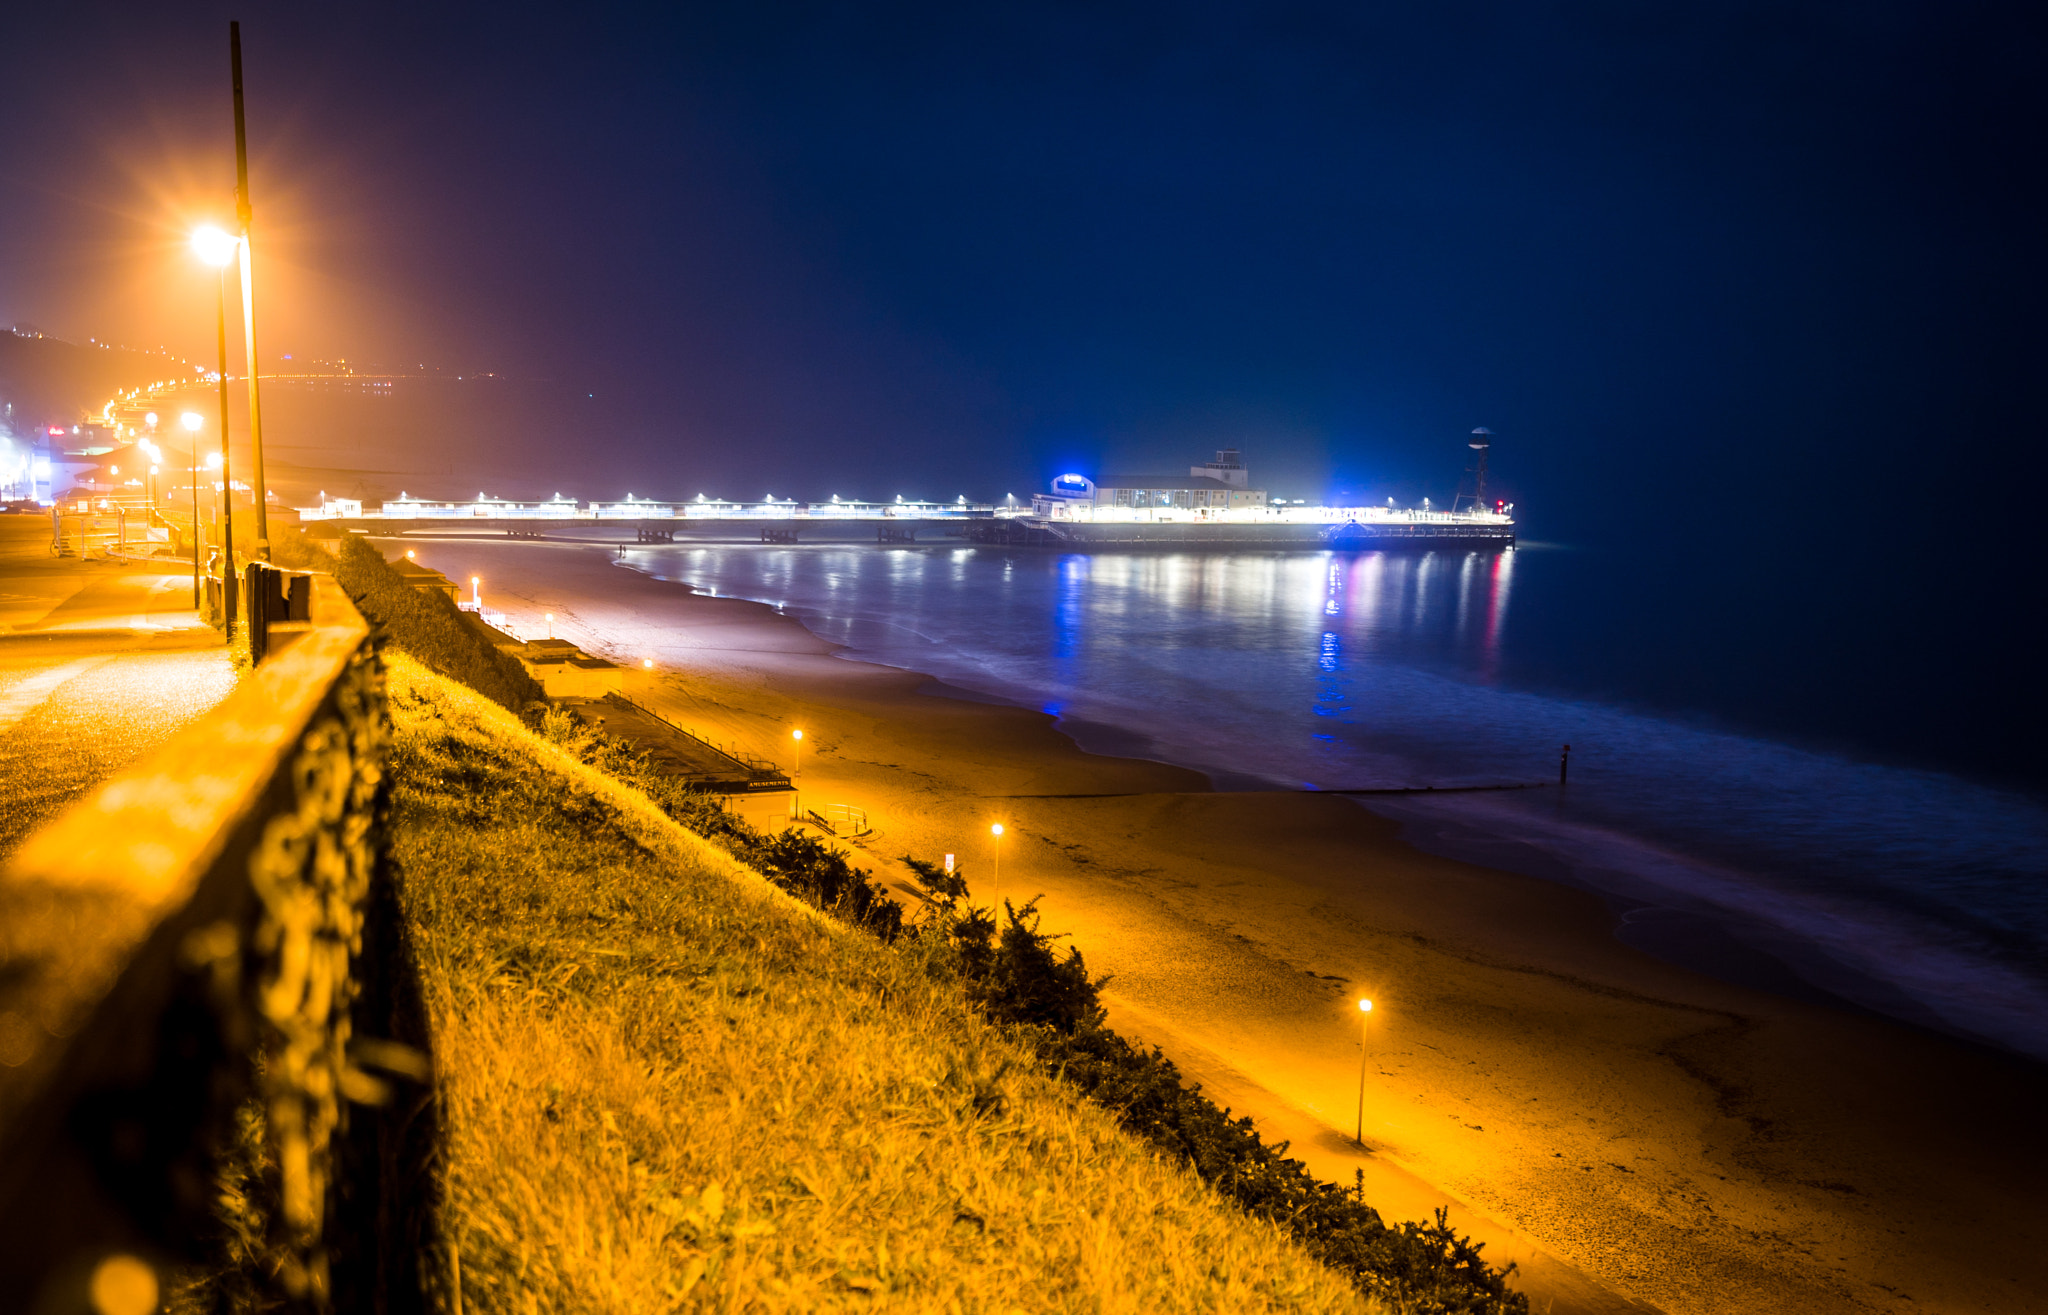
(1364,1036)
(216,248)
(261,490)
(191,421)
(995,880)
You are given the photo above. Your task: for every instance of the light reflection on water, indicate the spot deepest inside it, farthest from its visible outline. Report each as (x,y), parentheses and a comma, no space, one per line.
(1909,892)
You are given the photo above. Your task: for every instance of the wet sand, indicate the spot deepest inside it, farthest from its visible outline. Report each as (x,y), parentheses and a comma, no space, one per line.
(1625,1129)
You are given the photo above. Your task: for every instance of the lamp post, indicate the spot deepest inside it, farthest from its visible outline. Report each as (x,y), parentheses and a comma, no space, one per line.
(995,879)
(796,775)
(242,215)
(217,249)
(1364,1036)
(191,421)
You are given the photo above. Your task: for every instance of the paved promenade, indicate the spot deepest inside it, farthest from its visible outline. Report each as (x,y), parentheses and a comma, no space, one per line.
(99,663)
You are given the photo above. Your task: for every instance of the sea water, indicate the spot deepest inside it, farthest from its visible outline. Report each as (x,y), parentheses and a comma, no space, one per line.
(1906,891)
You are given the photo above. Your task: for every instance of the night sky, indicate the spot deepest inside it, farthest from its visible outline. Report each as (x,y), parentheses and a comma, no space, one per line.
(1758,287)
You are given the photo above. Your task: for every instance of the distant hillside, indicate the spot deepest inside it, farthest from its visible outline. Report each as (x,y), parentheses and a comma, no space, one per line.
(432,434)
(52,382)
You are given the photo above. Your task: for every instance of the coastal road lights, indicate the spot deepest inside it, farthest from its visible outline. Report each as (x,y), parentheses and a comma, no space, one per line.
(1364,1037)
(995,879)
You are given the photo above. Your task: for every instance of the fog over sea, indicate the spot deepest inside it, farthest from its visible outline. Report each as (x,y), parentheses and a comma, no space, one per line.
(1905,891)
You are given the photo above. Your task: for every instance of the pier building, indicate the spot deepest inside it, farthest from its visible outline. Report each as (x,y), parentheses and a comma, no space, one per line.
(1214,486)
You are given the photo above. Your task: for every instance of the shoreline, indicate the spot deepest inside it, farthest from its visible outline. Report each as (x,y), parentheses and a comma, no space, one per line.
(1683,1141)
(1680,922)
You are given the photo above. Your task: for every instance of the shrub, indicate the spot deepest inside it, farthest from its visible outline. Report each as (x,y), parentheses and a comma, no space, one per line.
(1019,978)
(814,872)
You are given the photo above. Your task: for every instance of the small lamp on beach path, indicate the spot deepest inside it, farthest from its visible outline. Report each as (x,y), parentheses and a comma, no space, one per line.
(476,591)
(551,623)
(1364,1036)
(796,774)
(995,880)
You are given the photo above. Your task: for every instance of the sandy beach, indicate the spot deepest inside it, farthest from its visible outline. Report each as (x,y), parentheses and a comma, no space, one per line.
(1627,1131)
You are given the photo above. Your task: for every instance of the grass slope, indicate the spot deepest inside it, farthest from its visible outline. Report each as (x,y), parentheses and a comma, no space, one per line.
(423,622)
(666,1085)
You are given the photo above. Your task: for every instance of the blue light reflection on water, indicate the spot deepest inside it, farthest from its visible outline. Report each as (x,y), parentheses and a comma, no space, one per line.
(1908,891)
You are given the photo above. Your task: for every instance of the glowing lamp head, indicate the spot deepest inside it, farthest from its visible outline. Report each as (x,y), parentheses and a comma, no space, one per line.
(475,580)
(647,664)
(1365,1006)
(150,420)
(214,247)
(191,420)
(408,554)
(996,830)
(796,735)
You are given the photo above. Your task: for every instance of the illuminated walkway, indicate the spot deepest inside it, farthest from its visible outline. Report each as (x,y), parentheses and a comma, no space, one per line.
(99,663)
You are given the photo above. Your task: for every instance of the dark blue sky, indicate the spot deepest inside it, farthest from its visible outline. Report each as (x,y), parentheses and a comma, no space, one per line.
(1745,252)
(1757,284)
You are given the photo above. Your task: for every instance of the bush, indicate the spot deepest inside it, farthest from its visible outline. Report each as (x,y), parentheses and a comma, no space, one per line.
(814,872)
(1019,978)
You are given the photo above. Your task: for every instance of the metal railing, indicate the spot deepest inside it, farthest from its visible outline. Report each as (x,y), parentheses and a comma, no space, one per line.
(843,820)
(738,755)
(194,968)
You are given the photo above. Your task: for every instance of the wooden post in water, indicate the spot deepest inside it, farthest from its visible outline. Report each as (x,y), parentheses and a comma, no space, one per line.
(1564,764)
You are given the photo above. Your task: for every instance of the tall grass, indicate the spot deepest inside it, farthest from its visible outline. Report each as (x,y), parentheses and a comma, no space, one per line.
(1014,974)
(667,1085)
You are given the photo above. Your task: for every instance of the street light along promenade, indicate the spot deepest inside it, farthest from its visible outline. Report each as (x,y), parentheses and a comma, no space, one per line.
(216,248)
(192,420)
